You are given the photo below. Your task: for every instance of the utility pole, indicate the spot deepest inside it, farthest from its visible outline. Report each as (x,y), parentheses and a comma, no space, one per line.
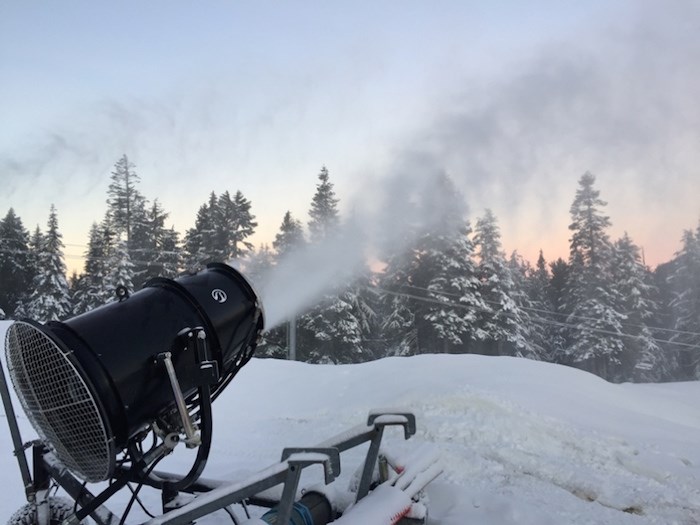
(292,339)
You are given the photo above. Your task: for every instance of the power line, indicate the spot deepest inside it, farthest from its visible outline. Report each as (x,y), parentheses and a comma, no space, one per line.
(568,316)
(539,321)
(103,258)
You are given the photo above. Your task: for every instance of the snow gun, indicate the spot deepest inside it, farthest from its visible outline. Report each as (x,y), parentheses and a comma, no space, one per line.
(113,391)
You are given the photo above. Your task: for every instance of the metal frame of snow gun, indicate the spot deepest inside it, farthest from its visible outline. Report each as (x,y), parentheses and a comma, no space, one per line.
(209,496)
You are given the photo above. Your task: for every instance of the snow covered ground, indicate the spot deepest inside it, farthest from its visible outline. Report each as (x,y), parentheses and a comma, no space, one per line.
(523,442)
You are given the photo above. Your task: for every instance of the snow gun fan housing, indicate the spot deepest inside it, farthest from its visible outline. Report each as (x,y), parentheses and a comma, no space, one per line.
(94,386)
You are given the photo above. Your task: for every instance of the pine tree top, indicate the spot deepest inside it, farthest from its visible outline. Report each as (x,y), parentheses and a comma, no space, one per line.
(324,208)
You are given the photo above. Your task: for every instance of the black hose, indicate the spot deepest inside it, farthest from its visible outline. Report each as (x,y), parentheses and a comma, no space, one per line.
(206,428)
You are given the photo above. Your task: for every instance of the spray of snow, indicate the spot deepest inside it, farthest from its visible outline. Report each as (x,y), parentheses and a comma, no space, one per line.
(385,218)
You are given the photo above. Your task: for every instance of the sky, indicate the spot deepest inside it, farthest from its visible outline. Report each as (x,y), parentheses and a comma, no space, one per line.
(514,100)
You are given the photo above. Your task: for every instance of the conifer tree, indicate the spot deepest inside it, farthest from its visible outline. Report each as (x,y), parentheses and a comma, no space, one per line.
(501,321)
(242,226)
(50,299)
(545,296)
(532,329)
(643,359)
(201,242)
(289,238)
(34,268)
(36,246)
(315,333)
(556,292)
(168,262)
(221,230)
(148,246)
(331,331)
(595,341)
(398,318)
(685,305)
(324,209)
(417,283)
(335,329)
(225,216)
(453,285)
(364,305)
(94,289)
(15,274)
(275,342)
(258,263)
(444,267)
(125,205)
(120,271)
(340,324)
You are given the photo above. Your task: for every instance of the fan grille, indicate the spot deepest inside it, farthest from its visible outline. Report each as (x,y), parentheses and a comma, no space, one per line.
(58,402)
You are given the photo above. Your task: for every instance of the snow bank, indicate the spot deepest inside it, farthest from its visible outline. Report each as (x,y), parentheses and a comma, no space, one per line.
(523,442)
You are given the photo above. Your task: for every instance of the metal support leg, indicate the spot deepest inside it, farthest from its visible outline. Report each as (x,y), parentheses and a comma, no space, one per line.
(77,490)
(42,482)
(370,461)
(291,484)
(16,437)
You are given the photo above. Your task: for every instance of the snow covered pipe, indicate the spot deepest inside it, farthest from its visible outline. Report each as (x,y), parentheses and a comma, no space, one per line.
(91,383)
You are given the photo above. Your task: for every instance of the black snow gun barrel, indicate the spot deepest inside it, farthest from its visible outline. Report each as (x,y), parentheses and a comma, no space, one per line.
(96,385)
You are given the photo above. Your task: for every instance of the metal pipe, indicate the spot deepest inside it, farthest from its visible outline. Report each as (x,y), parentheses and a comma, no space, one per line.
(192,437)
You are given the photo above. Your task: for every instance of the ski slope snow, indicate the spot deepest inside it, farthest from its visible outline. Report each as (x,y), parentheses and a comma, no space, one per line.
(523,442)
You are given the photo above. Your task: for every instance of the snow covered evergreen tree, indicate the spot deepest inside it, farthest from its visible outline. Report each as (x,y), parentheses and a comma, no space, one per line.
(685,306)
(544,299)
(242,227)
(595,340)
(643,359)
(168,262)
(428,291)
(444,267)
(221,230)
(501,325)
(331,331)
(454,288)
(34,268)
(153,246)
(125,205)
(201,242)
(533,330)
(50,299)
(93,289)
(324,209)
(258,264)
(289,238)
(275,342)
(15,271)
(36,246)
(225,217)
(120,270)
(556,293)
(315,334)
(398,319)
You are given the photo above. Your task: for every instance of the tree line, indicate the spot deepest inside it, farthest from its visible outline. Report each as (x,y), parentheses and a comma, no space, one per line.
(448,287)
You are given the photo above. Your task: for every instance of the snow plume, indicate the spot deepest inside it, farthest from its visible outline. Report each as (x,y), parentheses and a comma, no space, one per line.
(385,219)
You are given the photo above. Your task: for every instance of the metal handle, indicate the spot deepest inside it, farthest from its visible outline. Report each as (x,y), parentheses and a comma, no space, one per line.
(193,438)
